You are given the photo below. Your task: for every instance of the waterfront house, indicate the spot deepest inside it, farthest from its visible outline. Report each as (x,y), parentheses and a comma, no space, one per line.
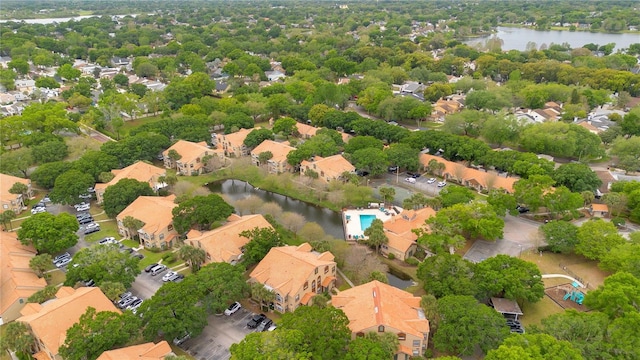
(327,169)
(278,163)
(191,160)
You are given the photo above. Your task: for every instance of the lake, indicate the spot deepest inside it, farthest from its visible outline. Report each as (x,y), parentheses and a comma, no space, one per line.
(46,21)
(518,38)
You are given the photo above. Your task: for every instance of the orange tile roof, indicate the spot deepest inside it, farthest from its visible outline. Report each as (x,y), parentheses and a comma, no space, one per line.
(236,139)
(305,299)
(599,207)
(55,317)
(306,130)
(189,151)
(398,228)
(375,303)
(332,166)
(279,150)
(6,182)
(153,211)
(146,351)
(17,280)
(472,176)
(589,127)
(140,171)
(286,268)
(225,243)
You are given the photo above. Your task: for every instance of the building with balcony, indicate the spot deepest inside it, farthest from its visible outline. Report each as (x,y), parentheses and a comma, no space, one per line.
(192,157)
(154,213)
(277,164)
(9,201)
(140,171)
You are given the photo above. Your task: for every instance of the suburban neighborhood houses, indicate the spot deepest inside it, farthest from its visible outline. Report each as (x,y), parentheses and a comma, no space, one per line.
(300,180)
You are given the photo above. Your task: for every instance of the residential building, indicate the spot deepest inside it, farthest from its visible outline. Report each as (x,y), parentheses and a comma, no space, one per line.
(17,280)
(278,163)
(146,351)
(274,75)
(295,274)
(9,201)
(306,131)
(329,168)
(191,157)
(50,321)
(381,308)
(402,240)
(232,144)
(473,178)
(224,244)
(140,171)
(599,210)
(155,213)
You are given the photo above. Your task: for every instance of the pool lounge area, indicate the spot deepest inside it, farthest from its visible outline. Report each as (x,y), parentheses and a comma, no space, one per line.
(356,221)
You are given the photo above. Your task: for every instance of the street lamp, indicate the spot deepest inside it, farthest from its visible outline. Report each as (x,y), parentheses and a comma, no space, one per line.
(397,174)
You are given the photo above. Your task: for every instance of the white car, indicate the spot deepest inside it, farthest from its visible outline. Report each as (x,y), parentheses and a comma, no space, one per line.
(410,180)
(82,207)
(107,240)
(233,308)
(170,276)
(442,184)
(431,180)
(38,210)
(64,262)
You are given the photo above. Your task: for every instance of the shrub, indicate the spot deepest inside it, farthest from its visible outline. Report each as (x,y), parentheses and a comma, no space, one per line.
(391,256)
(618,221)
(412,261)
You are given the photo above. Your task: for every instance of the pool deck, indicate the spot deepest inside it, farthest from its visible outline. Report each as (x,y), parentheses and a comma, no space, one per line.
(351,219)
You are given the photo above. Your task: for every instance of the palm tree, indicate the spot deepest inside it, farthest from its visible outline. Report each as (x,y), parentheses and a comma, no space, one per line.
(6,218)
(174,156)
(263,295)
(133,225)
(194,256)
(387,193)
(19,338)
(376,235)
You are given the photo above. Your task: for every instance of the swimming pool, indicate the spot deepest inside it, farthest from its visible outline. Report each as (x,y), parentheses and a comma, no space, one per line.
(365,221)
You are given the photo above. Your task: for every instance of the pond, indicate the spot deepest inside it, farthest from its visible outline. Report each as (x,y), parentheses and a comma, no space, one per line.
(518,38)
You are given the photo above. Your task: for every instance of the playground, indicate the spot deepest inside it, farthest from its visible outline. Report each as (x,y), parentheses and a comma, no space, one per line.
(567,296)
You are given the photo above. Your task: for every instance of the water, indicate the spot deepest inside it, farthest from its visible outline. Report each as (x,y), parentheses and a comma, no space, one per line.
(47,21)
(517,38)
(365,221)
(398,279)
(330,221)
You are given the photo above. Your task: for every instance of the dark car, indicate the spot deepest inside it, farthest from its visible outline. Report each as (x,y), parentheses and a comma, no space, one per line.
(522,209)
(256,320)
(85,220)
(264,325)
(362,172)
(392,169)
(149,267)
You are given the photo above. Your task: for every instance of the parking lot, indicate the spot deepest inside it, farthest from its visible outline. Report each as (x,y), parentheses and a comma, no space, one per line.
(217,337)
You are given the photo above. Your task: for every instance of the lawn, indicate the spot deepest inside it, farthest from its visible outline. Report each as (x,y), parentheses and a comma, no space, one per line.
(534,313)
(55,277)
(179,352)
(107,228)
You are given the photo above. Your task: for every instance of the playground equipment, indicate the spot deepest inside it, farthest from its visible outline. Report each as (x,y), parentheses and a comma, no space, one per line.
(575,295)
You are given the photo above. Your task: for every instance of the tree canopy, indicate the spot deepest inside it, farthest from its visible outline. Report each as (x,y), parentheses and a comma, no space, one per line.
(121,194)
(200,211)
(103,263)
(49,233)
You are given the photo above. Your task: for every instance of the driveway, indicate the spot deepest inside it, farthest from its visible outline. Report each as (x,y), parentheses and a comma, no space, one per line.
(519,235)
(405,189)
(218,336)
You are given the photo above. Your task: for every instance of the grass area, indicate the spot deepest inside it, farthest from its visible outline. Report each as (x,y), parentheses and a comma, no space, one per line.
(56,277)
(107,228)
(534,313)
(179,352)
(571,264)
(78,145)
(402,267)
(130,243)
(134,124)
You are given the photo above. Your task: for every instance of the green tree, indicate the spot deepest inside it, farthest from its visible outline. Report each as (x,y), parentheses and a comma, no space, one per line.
(447,274)
(218,285)
(265,156)
(262,295)
(132,225)
(261,240)
(200,211)
(586,331)
(103,263)
(112,290)
(465,323)
(326,331)
(376,236)
(388,194)
(49,292)
(40,264)
(45,175)
(69,186)
(561,236)
(285,126)
(624,257)
(577,177)
(49,233)
(19,188)
(509,277)
(47,82)
(375,160)
(531,191)
(502,202)
(97,332)
(195,257)
(373,346)
(49,152)
(627,150)
(16,162)
(257,136)
(362,142)
(596,238)
(6,217)
(452,195)
(403,155)
(19,338)
(281,344)
(534,346)
(120,195)
(67,72)
(619,296)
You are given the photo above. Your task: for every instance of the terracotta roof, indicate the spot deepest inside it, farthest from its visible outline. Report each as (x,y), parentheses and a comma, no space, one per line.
(306,130)
(52,320)
(236,139)
(6,182)
(588,126)
(140,171)
(375,303)
(599,207)
(17,278)
(153,211)
(398,228)
(147,351)
(286,268)
(305,299)
(189,151)
(279,150)
(458,171)
(223,244)
(332,166)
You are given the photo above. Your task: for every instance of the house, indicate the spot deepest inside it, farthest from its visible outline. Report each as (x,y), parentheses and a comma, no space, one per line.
(26,85)
(50,321)
(17,280)
(306,131)
(146,351)
(381,308)
(444,107)
(191,161)
(295,274)
(473,178)
(587,125)
(329,168)
(140,171)
(278,163)
(599,210)
(155,213)
(402,240)
(274,75)
(232,144)
(412,87)
(9,201)
(224,244)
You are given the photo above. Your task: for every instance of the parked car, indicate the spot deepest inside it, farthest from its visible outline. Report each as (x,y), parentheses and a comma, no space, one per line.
(125,295)
(522,209)
(107,240)
(150,267)
(89,283)
(85,220)
(38,210)
(233,308)
(135,303)
(392,169)
(256,320)
(169,276)
(39,205)
(84,207)
(123,300)
(46,199)
(137,255)
(431,180)
(181,339)
(61,256)
(158,269)
(63,262)
(91,228)
(362,172)
(410,180)
(442,184)
(82,214)
(413,175)
(81,205)
(178,278)
(126,302)
(264,325)
(91,189)
(272,327)
(86,196)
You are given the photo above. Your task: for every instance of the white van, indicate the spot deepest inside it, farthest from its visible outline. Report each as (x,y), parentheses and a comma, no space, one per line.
(158,269)
(410,180)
